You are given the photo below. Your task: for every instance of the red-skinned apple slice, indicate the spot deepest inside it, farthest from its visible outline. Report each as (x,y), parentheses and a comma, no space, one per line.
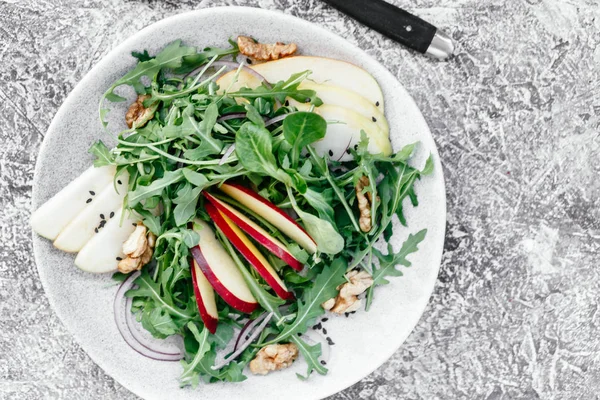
(256,232)
(220,270)
(205,298)
(241,242)
(271,213)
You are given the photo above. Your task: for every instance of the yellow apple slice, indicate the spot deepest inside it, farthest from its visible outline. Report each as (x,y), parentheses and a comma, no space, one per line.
(241,242)
(273,214)
(56,213)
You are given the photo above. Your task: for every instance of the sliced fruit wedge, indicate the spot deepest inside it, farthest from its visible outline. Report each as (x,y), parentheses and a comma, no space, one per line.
(220,270)
(50,219)
(256,232)
(271,213)
(338,96)
(205,298)
(324,70)
(241,242)
(104,250)
(343,131)
(93,217)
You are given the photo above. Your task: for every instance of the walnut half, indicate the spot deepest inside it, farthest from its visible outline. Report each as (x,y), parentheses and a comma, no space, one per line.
(364,204)
(138,249)
(264,52)
(137,114)
(273,358)
(347,300)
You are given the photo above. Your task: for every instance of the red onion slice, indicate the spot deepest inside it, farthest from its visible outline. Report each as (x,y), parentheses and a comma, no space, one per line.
(227,117)
(279,118)
(253,336)
(151,348)
(228,152)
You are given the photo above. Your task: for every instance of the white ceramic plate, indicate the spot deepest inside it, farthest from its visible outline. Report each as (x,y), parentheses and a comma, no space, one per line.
(84,301)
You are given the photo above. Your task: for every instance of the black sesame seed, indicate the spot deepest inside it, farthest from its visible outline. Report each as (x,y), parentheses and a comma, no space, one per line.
(374,119)
(119,258)
(249,61)
(119,182)
(92,193)
(347,151)
(134,224)
(330,153)
(317,326)
(324,331)
(307,155)
(325,319)
(96,230)
(112,214)
(102,216)
(347,315)
(377,104)
(356,147)
(102,223)
(323,362)
(352,312)
(299,333)
(329,341)
(88,201)
(287,103)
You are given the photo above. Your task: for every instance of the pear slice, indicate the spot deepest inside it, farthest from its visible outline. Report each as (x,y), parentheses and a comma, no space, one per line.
(93,218)
(52,216)
(338,96)
(326,71)
(343,131)
(104,250)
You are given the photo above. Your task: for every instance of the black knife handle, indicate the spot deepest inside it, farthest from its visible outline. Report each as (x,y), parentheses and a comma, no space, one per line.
(389,20)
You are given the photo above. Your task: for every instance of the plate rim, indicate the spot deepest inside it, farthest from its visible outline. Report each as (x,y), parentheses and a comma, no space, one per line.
(383,356)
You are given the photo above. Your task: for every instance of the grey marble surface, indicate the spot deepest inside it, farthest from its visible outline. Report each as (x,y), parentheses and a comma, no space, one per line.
(516,116)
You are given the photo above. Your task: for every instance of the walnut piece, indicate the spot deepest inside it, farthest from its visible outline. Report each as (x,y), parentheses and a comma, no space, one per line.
(364,204)
(273,358)
(137,114)
(264,52)
(347,300)
(138,249)
(137,242)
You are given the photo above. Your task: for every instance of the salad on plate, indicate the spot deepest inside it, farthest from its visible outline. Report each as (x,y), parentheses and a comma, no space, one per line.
(251,194)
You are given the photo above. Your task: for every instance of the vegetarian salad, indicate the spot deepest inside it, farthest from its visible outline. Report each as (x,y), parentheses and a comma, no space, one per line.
(242,203)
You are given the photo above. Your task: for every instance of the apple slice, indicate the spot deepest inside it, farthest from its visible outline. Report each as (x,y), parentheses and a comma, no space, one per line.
(241,242)
(271,213)
(205,298)
(256,232)
(220,270)
(343,131)
(104,250)
(56,213)
(93,217)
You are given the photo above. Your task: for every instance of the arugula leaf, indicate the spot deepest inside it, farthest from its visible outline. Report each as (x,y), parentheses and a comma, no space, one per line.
(190,376)
(254,148)
(148,288)
(158,322)
(328,240)
(301,129)
(309,308)
(186,201)
(195,178)
(428,169)
(253,115)
(155,188)
(102,154)
(389,262)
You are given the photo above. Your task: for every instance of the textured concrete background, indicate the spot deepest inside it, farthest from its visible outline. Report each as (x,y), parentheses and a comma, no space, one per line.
(516,115)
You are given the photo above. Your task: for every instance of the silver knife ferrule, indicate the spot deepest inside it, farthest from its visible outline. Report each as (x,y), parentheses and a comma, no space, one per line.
(441,46)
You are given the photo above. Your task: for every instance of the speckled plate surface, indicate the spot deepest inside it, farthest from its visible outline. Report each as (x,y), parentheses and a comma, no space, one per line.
(84,301)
